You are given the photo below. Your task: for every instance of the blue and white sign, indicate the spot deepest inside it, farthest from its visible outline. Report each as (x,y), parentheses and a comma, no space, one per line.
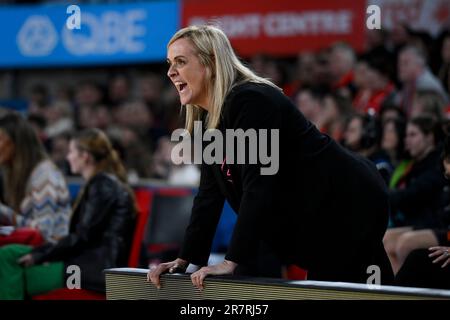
(38,36)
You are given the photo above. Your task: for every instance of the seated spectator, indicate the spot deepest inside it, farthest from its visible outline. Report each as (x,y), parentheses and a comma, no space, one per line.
(341,63)
(307,101)
(58,152)
(100,231)
(415,200)
(336,110)
(389,110)
(379,87)
(59,119)
(428,102)
(35,192)
(415,75)
(362,135)
(418,269)
(392,140)
(426,268)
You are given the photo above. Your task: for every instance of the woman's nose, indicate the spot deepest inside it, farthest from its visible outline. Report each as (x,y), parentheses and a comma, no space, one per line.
(171,72)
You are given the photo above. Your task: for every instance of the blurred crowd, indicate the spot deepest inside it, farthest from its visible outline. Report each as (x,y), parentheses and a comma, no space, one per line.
(363,100)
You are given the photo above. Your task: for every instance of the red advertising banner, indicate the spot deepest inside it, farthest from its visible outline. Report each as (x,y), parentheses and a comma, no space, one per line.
(282,27)
(425,15)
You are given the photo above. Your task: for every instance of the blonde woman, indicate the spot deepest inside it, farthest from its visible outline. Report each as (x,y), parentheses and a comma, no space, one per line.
(323,209)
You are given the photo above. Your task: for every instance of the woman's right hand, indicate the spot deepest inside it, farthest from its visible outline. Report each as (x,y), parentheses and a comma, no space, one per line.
(155,272)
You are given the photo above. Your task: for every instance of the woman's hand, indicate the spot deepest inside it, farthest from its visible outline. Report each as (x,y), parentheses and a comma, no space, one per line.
(26,260)
(226,267)
(442,254)
(172,266)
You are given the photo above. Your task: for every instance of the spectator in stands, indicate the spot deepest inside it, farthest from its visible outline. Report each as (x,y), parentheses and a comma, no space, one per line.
(135,152)
(100,231)
(363,135)
(336,110)
(415,200)
(379,88)
(59,119)
(288,219)
(429,103)
(390,110)
(59,150)
(426,268)
(119,91)
(392,140)
(342,63)
(305,73)
(415,75)
(307,101)
(91,111)
(39,100)
(150,91)
(430,268)
(36,194)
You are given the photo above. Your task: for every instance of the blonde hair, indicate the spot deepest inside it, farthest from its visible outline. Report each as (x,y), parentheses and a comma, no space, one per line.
(224,70)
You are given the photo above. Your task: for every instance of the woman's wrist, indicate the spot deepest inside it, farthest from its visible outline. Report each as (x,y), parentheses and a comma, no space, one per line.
(230,263)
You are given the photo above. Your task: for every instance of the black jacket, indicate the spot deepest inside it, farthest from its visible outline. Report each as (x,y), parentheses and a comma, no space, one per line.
(419,201)
(326,209)
(100,233)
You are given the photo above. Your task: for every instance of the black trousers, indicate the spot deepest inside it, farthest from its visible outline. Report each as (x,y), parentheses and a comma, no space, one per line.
(419,271)
(355,269)
(265,264)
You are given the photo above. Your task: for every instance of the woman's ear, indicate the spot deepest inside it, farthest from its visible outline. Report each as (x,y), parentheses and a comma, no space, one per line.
(210,73)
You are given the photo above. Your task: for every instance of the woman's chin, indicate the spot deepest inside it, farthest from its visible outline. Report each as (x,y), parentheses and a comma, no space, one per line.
(185,99)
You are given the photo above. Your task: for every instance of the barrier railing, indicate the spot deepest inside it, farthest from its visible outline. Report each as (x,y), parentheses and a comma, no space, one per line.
(131,284)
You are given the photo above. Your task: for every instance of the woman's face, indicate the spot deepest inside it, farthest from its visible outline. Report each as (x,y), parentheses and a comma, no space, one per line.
(187,73)
(416,142)
(390,138)
(6,148)
(77,158)
(353,133)
(330,110)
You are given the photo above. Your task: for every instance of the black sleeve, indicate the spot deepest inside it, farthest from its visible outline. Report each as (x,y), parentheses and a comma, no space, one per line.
(253,111)
(206,211)
(98,203)
(422,191)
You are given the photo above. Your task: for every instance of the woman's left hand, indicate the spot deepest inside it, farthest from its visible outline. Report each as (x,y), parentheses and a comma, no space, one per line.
(26,260)
(442,254)
(226,267)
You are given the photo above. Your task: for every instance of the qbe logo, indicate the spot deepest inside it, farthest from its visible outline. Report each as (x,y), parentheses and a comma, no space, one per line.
(37,37)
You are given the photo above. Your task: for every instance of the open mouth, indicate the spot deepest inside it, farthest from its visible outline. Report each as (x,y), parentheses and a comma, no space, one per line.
(181,86)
